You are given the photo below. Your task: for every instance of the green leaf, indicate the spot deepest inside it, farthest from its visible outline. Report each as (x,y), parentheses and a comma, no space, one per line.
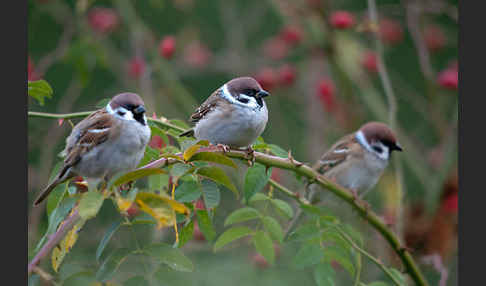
(106,238)
(278,151)
(255,180)
(158,182)
(397,275)
(137,174)
(186,234)
(264,246)
(240,215)
(187,192)
(90,203)
(136,281)
(219,176)
(378,283)
(273,228)
(179,123)
(308,254)
(179,170)
(304,232)
(353,233)
(102,103)
(283,207)
(81,278)
(205,224)
(111,264)
(39,90)
(213,157)
(211,194)
(230,235)
(258,197)
(190,152)
(338,254)
(324,274)
(172,257)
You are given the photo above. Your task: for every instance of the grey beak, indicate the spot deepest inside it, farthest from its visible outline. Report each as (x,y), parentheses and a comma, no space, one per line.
(139,110)
(262,94)
(397,147)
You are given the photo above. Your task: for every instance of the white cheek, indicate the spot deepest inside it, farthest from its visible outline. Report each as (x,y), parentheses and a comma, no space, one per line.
(128,115)
(252,103)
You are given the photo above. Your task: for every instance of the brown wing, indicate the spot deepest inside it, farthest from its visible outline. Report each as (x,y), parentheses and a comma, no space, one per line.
(337,154)
(90,132)
(206,107)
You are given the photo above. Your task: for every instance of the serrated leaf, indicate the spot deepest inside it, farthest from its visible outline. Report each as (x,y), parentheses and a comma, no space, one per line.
(397,275)
(258,197)
(90,204)
(324,275)
(187,192)
(179,170)
(111,264)
(106,238)
(213,157)
(219,176)
(39,90)
(264,245)
(273,228)
(230,235)
(304,232)
(136,281)
(241,215)
(205,224)
(284,208)
(278,151)
(308,254)
(172,257)
(137,174)
(186,233)
(339,255)
(255,180)
(190,152)
(161,207)
(211,194)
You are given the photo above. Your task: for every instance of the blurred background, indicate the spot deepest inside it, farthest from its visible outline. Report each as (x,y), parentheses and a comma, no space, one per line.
(319,59)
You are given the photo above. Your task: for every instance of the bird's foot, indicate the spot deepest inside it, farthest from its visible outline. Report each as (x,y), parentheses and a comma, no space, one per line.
(223,148)
(251,156)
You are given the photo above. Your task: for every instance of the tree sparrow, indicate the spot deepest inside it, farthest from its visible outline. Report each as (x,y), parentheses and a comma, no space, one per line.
(108,141)
(234,115)
(358,160)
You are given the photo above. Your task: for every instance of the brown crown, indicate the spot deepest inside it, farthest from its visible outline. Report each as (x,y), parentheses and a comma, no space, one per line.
(241,84)
(126,99)
(377,131)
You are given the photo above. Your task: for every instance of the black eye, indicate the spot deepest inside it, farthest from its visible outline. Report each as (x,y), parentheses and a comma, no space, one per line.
(242,99)
(121,113)
(377,149)
(250,92)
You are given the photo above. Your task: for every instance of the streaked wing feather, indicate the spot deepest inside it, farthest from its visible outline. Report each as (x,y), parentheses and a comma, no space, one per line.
(206,107)
(337,154)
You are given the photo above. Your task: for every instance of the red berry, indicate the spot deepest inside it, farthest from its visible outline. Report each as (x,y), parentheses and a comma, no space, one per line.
(197,54)
(275,48)
(259,261)
(286,74)
(342,19)
(103,20)
(267,78)
(325,92)
(449,79)
(434,38)
(291,35)
(391,31)
(370,62)
(136,67)
(451,203)
(167,47)
(133,210)
(31,73)
(199,205)
(197,234)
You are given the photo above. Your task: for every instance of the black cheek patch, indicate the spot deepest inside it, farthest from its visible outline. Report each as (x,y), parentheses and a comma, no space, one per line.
(139,118)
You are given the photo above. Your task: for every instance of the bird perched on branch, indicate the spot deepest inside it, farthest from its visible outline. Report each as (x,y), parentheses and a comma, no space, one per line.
(233,116)
(358,160)
(108,141)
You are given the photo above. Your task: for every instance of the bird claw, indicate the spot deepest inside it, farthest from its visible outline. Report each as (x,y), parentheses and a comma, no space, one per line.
(251,154)
(224,148)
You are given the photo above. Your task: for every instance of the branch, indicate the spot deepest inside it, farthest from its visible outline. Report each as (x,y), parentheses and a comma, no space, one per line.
(306,171)
(54,239)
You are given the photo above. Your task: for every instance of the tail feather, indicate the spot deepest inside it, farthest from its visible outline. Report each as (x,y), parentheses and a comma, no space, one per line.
(187,133)
(51,186)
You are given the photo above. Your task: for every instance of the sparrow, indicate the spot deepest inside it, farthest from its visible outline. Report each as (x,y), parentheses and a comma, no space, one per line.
(233,116)
(108,141)
(358,160)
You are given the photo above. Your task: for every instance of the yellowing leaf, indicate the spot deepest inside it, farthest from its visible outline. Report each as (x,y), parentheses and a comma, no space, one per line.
(59,252)
(191,151)
(160,207)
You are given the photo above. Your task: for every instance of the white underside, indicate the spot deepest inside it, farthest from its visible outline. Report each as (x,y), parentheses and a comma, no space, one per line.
(237,129)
